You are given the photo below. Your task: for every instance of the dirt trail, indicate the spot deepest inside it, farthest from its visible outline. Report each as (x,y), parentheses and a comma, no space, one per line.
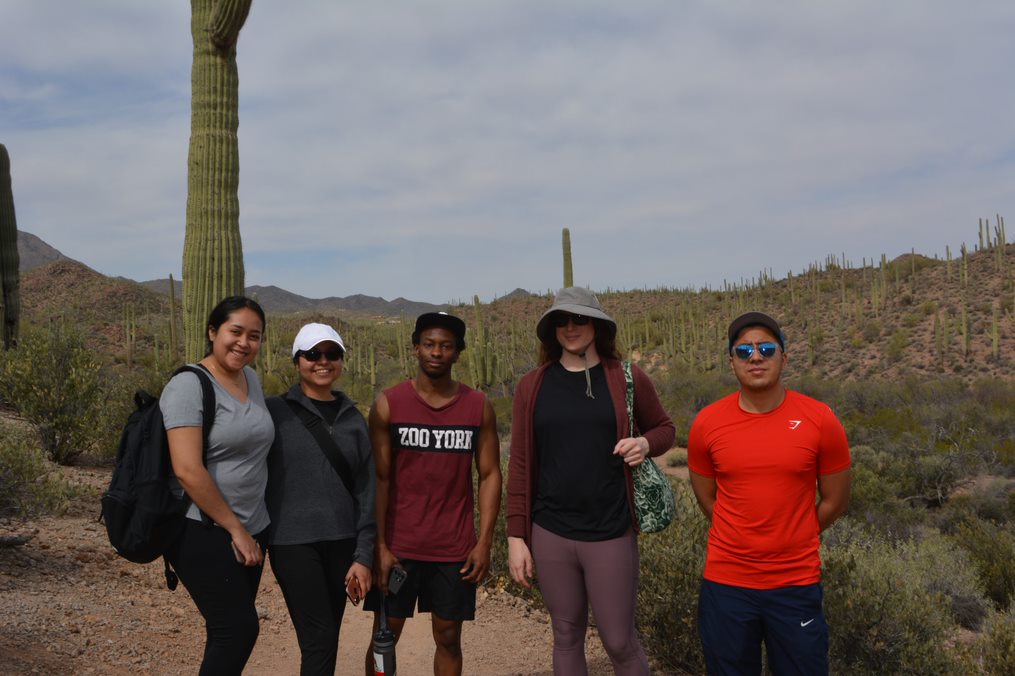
(69,605)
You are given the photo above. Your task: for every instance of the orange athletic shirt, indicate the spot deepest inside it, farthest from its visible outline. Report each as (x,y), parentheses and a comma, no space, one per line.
(764,532)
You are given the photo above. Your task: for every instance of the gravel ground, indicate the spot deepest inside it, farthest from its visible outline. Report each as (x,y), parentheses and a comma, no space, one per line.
(70,605)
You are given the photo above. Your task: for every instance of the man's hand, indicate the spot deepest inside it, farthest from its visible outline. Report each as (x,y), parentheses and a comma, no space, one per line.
(477,564)
(383,564)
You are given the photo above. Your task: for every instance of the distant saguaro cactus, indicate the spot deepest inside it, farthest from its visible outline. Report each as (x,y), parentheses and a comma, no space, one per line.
(10,300)
(568,271)
(212,251)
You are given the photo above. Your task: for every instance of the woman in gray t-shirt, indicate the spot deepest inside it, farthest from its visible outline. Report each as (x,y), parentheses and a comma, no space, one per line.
(220,555)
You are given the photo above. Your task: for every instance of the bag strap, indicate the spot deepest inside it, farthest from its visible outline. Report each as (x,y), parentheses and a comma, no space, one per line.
(207,401)
(327,444)
(629,377)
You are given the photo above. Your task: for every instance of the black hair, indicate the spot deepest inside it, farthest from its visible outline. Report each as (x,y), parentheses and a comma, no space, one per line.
(221,312)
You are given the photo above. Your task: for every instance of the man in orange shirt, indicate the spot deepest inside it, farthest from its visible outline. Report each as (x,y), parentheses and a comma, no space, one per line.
(770,468)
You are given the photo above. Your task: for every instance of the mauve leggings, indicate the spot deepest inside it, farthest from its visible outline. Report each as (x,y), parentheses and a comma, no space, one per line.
(573,574)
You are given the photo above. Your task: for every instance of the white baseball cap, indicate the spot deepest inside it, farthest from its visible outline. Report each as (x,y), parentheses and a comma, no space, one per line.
(312,334)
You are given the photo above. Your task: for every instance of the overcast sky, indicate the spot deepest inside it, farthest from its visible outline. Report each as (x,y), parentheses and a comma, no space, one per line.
(435,149)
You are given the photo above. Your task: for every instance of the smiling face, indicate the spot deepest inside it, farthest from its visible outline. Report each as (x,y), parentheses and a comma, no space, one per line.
(236,342)
(758,374)
(575,338)
(317,376)
(437,351)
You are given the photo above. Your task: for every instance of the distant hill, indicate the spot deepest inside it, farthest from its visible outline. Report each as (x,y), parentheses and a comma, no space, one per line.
(35,253)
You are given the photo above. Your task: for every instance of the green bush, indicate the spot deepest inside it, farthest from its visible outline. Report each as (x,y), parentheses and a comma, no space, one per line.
(671,566)
(884,615)
(28,483)
(992,550)
(55,382)
(997,643)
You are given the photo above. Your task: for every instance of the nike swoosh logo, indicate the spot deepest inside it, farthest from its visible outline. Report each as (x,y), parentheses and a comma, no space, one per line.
(804,624)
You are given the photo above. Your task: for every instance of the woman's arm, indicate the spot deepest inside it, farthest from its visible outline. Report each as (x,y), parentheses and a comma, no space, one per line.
(653,422)
(186,451)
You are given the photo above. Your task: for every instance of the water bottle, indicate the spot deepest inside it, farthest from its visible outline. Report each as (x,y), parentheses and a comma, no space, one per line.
(384,645)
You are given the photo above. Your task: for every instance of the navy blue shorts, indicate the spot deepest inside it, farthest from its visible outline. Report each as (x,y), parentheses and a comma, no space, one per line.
(734,621)
(436,585)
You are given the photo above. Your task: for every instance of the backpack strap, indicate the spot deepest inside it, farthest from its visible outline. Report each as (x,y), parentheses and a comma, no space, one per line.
(325,442)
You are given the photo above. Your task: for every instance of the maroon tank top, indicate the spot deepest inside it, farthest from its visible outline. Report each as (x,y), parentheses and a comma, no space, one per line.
(430,505)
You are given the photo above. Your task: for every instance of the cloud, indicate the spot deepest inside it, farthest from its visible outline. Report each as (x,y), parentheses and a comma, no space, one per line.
(435,149)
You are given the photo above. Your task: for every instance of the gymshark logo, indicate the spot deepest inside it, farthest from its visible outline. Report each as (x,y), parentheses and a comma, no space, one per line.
(793,424)
(802,623)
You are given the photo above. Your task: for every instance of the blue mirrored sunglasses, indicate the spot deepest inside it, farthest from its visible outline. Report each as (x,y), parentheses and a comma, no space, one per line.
(744,351)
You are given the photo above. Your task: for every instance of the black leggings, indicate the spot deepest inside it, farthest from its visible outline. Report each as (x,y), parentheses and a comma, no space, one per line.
(224,592)
(312,578)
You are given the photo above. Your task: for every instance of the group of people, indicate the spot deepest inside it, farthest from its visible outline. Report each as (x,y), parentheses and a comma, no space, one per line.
(344,505)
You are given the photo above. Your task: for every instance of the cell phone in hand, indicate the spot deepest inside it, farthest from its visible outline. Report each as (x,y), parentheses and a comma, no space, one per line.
(352,590)
(236,553)
(396,579)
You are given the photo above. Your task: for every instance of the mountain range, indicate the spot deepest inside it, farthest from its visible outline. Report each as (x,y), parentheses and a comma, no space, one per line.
(35,253)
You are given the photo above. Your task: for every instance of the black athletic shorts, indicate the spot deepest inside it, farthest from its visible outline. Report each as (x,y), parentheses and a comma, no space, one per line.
(437,585)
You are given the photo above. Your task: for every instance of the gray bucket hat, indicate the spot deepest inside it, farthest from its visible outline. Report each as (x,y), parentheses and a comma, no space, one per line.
(577,301)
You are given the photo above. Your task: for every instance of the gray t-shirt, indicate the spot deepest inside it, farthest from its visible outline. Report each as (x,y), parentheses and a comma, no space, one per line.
(237,444)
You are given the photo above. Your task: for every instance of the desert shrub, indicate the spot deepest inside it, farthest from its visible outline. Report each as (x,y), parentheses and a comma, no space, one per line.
(992,550)
(884,616)
(997,644)
(677,459)
(671,566)
(55,382)
(28,483)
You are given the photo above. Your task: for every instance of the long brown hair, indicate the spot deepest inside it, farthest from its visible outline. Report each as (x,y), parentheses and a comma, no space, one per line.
(606,344)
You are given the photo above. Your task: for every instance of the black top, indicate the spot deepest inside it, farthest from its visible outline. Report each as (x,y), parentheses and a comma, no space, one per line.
(581,490)
(327,409)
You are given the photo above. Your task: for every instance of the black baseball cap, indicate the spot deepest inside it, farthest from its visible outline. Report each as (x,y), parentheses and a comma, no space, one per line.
(428,320)
(755,319)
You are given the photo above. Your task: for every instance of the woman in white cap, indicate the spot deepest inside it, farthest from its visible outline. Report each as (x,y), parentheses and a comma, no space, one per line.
(570,513)
(320,498)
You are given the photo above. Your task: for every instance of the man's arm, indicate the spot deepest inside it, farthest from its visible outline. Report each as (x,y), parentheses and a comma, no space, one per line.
(380,438)
(833,496)
(705,489)
(477,565)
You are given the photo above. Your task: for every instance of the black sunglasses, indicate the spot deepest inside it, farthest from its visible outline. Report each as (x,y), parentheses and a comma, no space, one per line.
(561,319)
(332,354)
(744,351)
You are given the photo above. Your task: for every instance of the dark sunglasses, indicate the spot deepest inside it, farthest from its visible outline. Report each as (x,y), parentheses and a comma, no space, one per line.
(744,351)
(561,319)
(333,354)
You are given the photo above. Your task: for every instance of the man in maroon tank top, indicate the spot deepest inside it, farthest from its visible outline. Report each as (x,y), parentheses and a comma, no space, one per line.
(426,433)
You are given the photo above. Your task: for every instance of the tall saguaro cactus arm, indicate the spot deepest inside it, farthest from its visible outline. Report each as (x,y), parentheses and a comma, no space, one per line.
(10,303)
(212,250)
(227,20)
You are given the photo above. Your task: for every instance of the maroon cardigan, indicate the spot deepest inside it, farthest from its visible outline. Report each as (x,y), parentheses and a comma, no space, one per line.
(652,421)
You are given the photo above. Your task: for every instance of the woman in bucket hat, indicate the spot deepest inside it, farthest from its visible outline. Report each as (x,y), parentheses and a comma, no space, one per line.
(570,419)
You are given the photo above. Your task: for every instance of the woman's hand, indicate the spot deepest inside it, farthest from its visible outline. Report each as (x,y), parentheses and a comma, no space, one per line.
(246,549)
(633,450)
(358,582)
(520,562)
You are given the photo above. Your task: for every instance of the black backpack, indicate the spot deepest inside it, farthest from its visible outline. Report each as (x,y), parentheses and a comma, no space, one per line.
(143,516)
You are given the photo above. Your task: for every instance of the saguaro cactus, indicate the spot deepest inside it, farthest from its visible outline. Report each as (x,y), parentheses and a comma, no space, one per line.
(212,251)
(10,301)
(566,245)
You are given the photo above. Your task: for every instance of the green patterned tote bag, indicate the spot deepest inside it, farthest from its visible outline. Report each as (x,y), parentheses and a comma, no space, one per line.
(654,505)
